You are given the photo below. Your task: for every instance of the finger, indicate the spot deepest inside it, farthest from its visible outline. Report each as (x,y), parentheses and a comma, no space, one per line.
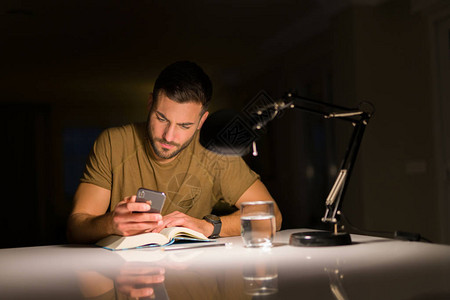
(128,208)
(142,292)
(158,277)
(130,228)
(135,292)
(175,222)
(121,204)
(143,225)
(127,229)
(148,279)
(140,279)
(150,219)
(138,206)
(129,199)
(156,229)
(146,217)
(168,220)
(174,214)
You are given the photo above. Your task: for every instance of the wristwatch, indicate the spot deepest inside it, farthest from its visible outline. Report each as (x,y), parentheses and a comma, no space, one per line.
(215,220)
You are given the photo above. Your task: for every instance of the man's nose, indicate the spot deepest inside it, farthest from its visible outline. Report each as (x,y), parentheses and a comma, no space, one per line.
(169,133)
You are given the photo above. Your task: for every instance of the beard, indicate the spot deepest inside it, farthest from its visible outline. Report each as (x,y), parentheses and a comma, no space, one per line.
(167,153)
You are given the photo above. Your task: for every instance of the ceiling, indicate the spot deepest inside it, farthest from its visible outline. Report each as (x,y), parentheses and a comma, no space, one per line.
(70,50)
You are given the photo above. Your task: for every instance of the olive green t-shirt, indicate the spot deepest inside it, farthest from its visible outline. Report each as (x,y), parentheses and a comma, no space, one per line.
(194,182)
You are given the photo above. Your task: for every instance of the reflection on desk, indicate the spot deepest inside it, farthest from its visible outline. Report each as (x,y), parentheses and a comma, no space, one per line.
(370,268)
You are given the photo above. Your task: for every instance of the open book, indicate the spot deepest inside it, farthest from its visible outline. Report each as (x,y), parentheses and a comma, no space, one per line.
(167,236)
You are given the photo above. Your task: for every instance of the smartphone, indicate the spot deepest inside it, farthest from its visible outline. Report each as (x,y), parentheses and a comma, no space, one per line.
(155,198)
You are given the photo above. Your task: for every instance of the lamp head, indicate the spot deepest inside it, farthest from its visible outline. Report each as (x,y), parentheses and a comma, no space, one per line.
(228,133)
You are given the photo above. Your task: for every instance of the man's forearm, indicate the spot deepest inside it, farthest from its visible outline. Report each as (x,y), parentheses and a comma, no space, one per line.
(231,224)
(85,228)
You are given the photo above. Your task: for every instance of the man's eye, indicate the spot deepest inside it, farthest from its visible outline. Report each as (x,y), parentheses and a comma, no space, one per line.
(161,119)
(185,126)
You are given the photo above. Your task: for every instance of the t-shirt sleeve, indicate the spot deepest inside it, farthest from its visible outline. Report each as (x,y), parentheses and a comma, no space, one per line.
(98,169)
(235,179)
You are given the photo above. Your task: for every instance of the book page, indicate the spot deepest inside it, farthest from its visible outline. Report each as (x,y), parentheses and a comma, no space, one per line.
(172,232)
(127,242)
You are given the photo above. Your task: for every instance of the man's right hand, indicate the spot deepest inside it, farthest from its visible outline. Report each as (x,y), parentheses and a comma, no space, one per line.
(131,217)
(89,220)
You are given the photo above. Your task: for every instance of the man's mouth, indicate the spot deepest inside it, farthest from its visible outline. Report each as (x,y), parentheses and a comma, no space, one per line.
(167,145)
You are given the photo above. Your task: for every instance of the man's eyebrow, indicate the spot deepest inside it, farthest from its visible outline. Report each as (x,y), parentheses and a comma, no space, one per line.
(161,115)
(180,124)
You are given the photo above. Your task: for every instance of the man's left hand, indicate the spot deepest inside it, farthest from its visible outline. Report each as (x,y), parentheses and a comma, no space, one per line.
(180,219)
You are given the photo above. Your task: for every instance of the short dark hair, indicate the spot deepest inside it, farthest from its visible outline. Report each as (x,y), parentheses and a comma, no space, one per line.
(184,81)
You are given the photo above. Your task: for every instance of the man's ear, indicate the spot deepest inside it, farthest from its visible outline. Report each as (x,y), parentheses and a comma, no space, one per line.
(149,102)
(202,120)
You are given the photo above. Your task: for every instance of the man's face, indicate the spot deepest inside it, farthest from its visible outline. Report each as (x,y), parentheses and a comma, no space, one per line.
(172,126)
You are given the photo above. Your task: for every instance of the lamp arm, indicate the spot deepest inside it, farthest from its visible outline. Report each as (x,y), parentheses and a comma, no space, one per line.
(328,110)
(359,119)
(334,200)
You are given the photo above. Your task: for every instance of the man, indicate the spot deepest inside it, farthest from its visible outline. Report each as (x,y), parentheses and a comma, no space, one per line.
(164,155)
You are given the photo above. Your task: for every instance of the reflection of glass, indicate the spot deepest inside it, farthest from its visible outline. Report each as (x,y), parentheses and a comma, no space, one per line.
(257,223)
(260,279)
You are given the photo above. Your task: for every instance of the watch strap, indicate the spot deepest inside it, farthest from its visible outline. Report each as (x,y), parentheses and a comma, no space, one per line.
(216,222)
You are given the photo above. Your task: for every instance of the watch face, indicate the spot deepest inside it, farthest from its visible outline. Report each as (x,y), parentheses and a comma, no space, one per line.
(213,218)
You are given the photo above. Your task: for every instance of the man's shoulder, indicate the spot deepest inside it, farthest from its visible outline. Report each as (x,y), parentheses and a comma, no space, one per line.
(122,142)
(128,131)
(127,128)
(123,139)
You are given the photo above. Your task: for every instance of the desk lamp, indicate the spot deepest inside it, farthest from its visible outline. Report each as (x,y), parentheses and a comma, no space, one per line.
(229,133)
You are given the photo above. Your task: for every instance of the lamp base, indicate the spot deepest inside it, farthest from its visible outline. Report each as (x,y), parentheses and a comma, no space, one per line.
(319,239)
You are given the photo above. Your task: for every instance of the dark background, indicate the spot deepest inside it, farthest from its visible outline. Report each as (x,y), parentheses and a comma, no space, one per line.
(70,69)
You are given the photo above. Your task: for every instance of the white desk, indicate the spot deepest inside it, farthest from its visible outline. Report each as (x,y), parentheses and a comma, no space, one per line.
(371,268)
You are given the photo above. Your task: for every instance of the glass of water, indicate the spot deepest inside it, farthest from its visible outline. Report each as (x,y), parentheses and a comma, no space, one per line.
(257,223)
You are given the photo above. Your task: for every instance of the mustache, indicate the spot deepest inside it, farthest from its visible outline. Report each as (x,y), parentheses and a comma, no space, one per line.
(167,142)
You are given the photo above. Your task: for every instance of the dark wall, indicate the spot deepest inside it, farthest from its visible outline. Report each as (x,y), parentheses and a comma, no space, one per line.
(29,216)
(72,70)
